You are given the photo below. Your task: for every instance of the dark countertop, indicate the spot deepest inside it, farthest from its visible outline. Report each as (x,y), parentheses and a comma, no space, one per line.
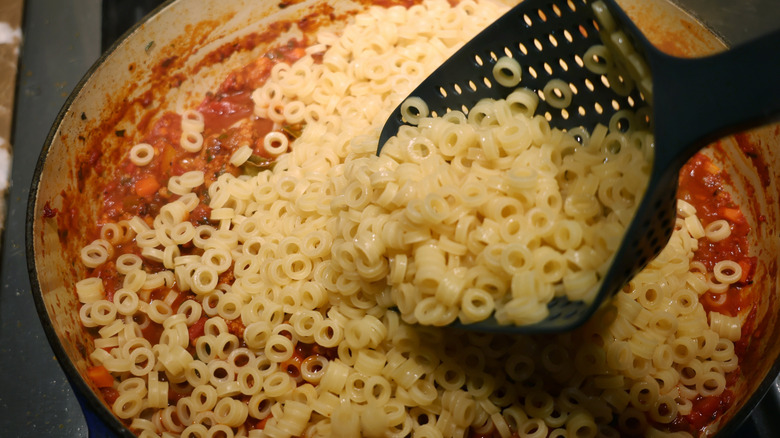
(62,38)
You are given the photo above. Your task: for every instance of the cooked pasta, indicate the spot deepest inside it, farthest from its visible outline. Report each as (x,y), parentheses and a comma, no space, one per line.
(283,300)
(141,154)
(507,72)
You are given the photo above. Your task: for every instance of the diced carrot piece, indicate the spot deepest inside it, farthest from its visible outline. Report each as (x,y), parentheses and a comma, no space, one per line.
(262,423)
(100,375)
(732,215)
(747,269)
(147,186)
(166,160)
(196,330)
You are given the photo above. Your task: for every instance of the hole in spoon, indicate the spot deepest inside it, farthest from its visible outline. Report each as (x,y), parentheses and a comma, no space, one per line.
(522,48)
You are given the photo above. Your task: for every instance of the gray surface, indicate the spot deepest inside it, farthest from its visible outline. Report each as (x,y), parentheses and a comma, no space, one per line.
(62,39)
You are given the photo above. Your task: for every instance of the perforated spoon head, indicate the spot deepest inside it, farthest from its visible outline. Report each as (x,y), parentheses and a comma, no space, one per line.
(549,39)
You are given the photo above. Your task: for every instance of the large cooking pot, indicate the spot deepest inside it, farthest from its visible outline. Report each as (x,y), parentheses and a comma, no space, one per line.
(184,49)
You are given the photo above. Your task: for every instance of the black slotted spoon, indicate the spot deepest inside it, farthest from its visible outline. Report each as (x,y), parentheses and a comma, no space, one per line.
(694,102)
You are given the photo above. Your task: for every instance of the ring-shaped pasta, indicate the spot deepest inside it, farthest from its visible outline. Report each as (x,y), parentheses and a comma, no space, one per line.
(413,109)
(142,361)
(192,120)
(240,155)
(141,154)
(191,141)
(507,71)
(126,301)
(128,405)
(275,143)
(90,290)
(717,230)
(597,59)
(727,271)
(103,312)
(557,93)
(94,255)
(113,234)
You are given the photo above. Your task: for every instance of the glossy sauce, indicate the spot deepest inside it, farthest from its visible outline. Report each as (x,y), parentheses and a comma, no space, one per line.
(702,184)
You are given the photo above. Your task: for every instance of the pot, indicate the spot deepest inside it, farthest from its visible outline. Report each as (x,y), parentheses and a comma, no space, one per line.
(168,62)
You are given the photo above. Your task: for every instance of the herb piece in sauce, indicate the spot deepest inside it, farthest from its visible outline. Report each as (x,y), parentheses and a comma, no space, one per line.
(120,133)
(292,131)
(149,46)
(258,161)
(255,164)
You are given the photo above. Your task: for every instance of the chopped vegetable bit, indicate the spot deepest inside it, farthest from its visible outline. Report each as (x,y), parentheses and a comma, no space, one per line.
(258,161)
(100,375)
(146,186)
(255,164)
(293,131)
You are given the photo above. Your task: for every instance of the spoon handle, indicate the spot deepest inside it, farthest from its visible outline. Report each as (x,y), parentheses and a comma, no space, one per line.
(703,99)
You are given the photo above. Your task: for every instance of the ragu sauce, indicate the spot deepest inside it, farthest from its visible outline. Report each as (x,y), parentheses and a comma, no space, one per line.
(702,184)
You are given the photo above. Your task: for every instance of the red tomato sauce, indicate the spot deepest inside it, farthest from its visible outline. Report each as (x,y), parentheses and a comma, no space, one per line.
(702,184)
(141,190)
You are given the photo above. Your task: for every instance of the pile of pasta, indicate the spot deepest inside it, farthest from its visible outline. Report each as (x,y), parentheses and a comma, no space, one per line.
(304,341)
(494,212)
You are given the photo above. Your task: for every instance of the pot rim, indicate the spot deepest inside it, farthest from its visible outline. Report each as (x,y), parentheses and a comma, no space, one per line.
(88,399)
